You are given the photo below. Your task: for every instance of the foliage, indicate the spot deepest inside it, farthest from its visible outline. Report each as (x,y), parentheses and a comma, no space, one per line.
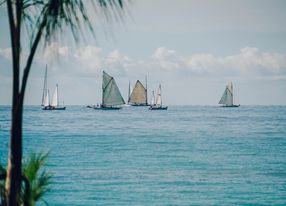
(2,185)
(39,179)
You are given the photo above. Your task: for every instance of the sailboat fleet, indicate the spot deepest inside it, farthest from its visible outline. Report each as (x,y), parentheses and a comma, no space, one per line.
(113,100)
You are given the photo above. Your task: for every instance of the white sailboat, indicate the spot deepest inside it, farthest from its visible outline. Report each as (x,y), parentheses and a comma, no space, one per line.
(138,95)
(158,102)
(227,97)
(54,104)
(111,96)
(45,89)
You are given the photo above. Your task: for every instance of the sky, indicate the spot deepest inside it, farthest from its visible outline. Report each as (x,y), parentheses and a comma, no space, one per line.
(192,48)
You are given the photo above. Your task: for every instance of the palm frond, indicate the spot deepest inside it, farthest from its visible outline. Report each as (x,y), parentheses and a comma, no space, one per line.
(59,15)
(38,177)
(2,2)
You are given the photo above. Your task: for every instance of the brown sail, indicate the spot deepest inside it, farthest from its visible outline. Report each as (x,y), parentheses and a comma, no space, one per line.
(138,96)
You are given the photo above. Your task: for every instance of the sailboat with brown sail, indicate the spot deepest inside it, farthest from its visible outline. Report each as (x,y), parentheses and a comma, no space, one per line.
(138,95)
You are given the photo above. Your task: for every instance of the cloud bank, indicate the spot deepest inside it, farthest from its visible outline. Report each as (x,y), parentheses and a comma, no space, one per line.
(248,61)
(92,59)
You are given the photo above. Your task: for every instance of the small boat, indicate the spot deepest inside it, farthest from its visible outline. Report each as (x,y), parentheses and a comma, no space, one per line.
(138,95)
(157,105)
(55,102)
(54,105)
(227,97)
(111,96)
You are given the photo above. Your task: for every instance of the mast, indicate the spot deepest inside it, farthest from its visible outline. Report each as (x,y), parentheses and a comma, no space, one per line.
(128,93)
(230,87)
(45,87)
(159,100)
(146,90)
(102,101)
(57,87)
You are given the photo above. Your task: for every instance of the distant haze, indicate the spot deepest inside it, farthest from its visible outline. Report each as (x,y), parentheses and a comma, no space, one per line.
(193,48)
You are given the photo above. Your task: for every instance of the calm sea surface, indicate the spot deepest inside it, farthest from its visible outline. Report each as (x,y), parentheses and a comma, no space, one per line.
(187,155)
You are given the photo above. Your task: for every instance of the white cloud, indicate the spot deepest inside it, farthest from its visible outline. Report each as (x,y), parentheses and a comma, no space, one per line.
(93,59)
(6,53)
(167,58)
(90,57)
(247,61)
(118,62)
(55,50)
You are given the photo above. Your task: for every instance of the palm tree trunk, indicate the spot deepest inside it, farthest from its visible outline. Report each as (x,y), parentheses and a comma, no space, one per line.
(14,168)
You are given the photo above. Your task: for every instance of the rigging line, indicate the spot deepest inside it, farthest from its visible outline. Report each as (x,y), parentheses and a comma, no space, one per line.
(108,83)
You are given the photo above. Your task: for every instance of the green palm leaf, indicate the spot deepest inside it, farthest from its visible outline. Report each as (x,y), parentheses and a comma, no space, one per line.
(37,176)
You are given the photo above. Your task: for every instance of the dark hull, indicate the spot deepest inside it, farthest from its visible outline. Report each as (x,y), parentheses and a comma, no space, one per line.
(54,108)
(139,105)
(158,108)
(231,106)
(107,108)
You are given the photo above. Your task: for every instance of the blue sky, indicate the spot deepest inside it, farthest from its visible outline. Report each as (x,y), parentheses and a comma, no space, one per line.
(193,48)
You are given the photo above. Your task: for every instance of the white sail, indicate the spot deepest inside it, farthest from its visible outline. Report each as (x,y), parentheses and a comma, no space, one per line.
(111,95)
(47,99)
(45,88)
(139,94)
(159,97)
(227,97)
(55,101)
(153,98)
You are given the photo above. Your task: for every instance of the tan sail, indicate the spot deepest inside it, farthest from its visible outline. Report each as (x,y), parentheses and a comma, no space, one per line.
(138,96)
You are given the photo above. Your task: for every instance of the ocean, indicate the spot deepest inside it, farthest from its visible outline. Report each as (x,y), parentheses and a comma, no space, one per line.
(187,155)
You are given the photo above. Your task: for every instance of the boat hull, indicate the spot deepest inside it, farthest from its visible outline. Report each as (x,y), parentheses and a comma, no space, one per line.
(139,105)
(54,108)
(107,108)
(230,106)
(158,108)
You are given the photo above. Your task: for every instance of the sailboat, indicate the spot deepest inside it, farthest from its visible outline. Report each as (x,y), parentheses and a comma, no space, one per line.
(45,96)
(158,102)
(54,104)
(111,96)
(138,95)
(227,97)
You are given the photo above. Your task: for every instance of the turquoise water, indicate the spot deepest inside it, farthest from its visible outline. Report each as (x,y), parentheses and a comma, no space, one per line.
(187,155)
